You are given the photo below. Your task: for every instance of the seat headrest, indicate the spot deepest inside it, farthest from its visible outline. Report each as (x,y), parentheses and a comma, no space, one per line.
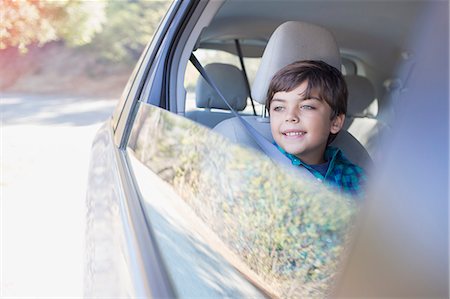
(293,41)
(361,96)
(231,83)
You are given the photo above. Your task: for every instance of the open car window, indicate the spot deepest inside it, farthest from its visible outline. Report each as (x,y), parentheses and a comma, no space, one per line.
(228,221)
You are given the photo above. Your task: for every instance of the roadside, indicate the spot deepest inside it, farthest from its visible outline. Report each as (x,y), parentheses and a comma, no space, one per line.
(45,147)
(56,69)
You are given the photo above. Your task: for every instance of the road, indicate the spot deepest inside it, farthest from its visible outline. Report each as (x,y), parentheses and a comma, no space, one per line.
(45,145)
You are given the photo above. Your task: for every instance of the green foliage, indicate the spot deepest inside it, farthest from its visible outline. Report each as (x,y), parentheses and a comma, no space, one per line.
(116,30)
(129,27)
(290,231)
(29,21)
(79,21)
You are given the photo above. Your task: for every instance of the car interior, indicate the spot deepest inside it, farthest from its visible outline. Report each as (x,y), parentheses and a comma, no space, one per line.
(245,44)
(231,81)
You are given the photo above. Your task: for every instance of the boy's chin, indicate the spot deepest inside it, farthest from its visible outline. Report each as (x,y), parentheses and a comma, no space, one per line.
(293,151)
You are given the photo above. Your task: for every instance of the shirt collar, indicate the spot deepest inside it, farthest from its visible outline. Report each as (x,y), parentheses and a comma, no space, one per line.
(330,155)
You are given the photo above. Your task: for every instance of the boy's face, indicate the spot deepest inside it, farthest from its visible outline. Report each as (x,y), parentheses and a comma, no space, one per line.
(300,125)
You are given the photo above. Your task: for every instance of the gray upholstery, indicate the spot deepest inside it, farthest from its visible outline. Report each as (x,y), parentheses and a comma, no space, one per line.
(234,130)
(362,111)
(361,95)
(208,118)
(292,41)
(231,83)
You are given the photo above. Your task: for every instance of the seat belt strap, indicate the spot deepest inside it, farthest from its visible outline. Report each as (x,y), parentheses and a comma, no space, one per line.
(244,72)
(266,146)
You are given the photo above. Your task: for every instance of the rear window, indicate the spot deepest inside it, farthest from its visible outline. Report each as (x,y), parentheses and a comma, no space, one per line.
(284,234)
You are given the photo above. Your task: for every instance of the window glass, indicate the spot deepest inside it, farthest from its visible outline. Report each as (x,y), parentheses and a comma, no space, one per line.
(286,232)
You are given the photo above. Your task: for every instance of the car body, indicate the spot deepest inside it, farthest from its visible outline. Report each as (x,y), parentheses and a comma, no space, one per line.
(176,210)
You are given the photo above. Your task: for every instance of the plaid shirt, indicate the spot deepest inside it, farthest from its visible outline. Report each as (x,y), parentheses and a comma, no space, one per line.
(342,174)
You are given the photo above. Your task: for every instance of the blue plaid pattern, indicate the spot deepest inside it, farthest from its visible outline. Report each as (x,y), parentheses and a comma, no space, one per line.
(342,174)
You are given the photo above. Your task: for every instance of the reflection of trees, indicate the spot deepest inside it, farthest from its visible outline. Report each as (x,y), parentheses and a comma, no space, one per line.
(289,231)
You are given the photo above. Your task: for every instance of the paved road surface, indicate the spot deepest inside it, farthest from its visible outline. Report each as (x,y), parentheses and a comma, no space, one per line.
(45,144)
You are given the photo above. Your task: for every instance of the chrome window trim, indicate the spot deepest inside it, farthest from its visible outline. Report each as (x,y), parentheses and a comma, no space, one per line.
(146,266)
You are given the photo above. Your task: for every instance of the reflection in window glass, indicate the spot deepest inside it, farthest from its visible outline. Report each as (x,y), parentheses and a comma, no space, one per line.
(289,231)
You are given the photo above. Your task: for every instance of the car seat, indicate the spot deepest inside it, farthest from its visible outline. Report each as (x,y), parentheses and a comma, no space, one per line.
(231,83)
(361,120)
(290,42)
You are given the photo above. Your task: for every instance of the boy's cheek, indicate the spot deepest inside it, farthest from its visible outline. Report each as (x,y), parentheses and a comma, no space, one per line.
(273,130)
(274,120)
(273,127)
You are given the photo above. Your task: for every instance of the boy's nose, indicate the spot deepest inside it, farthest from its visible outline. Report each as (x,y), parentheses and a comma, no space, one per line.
(292,117)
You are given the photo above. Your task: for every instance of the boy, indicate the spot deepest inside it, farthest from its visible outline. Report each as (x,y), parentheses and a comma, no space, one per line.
(307,102)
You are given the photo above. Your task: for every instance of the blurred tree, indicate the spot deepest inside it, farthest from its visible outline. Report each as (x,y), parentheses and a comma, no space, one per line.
(77,21)
(24,22)
(129,27)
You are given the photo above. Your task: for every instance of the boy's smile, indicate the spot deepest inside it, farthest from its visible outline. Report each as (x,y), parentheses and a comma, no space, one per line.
(300,125)
(293,133)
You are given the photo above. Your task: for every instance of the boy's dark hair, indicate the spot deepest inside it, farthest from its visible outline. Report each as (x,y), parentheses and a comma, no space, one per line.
(322,78)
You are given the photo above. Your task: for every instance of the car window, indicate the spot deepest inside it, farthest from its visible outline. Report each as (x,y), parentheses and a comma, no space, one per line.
(217,208)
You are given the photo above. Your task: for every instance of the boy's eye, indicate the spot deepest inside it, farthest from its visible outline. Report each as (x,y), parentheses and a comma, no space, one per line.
(277,108)
(307,107)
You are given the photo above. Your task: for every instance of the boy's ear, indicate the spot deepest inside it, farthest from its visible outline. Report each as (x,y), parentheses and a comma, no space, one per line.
(337,123)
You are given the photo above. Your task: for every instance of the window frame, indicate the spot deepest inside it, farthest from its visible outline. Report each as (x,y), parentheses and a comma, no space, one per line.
(132,92)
